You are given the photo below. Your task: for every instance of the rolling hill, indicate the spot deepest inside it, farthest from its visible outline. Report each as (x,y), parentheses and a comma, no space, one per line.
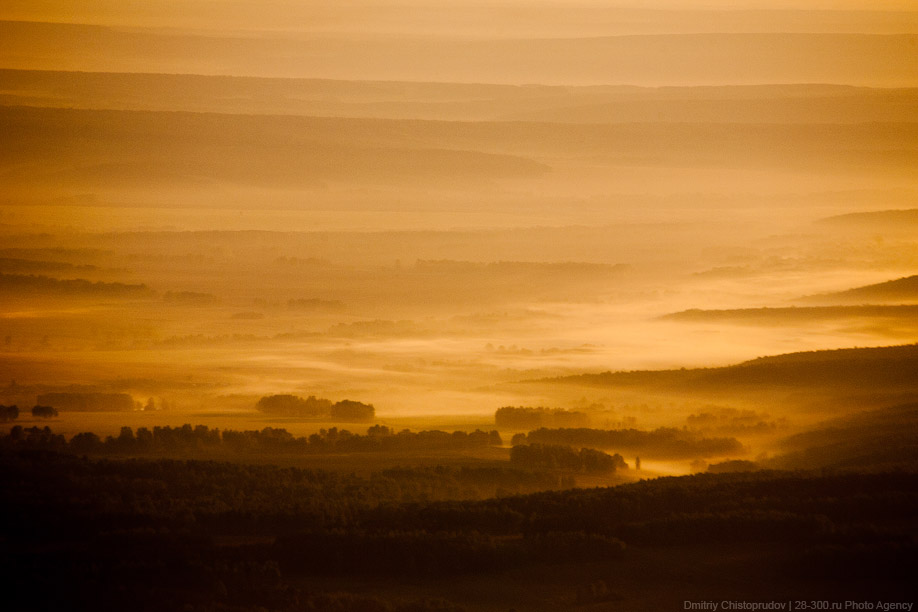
(898,291)
(792,315)
(886,369)
(87,148)
(884,60)
(803,103)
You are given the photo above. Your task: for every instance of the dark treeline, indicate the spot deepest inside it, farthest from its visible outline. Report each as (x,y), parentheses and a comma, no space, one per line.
(202,440)
(161,534)
(549,456)
(31,285)
(525,417)
(662,443)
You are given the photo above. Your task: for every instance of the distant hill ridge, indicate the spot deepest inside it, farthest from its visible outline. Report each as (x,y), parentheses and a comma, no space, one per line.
(881,217)
(769,103)
(890,367)
(899,290)
(795,314)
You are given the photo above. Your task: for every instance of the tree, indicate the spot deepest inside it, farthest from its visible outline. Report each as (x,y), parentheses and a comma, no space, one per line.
(494,438)
(144,438)
(349,410)
(86,442)
(9,413)
(44,412)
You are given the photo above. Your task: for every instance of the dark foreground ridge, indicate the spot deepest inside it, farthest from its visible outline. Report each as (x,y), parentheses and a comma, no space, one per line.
(201,535)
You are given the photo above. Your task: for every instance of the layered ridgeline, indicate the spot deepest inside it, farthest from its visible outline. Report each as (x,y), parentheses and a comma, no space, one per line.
(843,372)
(48,145)
(653,59)
(803,103)
(887,308)
(898,291)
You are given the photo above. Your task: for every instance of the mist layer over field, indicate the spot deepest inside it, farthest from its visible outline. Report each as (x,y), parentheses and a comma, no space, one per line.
(393,231)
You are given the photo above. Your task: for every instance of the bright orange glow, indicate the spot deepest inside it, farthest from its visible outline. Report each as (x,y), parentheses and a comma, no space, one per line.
(422,204)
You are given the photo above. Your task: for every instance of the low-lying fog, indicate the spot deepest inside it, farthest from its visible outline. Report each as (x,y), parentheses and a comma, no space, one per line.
(374,317)
(427,221)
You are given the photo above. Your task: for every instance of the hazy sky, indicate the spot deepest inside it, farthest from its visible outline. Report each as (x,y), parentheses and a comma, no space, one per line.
(290,14)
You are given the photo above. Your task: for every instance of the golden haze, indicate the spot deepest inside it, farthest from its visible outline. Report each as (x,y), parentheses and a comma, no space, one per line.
(691,216)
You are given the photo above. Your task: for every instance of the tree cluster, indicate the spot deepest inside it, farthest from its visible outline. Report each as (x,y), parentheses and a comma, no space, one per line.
(44,412)
(316,408)
(37,438)
(11,413)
